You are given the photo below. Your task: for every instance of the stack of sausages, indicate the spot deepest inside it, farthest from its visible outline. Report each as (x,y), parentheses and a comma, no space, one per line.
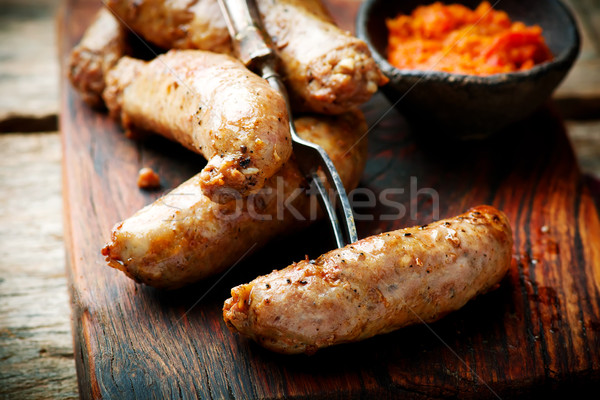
(197,94)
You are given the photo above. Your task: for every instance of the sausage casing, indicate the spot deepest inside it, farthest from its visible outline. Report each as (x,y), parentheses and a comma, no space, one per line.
(184,236)
(211,104)
(187,24)
(326,69)
(375,285)
(102,45)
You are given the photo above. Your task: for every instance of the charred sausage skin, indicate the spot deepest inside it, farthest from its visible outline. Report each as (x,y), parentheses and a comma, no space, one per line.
(376,285)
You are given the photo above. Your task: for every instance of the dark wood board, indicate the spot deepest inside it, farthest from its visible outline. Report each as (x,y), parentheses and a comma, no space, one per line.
(538,333)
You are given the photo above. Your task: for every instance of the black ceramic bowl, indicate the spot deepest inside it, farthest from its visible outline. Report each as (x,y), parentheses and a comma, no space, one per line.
(468,106)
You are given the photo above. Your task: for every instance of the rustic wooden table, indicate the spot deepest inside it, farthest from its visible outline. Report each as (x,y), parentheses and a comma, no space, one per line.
(36,353)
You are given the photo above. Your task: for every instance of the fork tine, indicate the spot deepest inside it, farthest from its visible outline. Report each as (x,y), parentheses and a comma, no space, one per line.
(331,212)
(311,158)
(342,203)
(253,48)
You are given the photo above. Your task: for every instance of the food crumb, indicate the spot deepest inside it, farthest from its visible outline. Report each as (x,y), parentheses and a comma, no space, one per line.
(148,179)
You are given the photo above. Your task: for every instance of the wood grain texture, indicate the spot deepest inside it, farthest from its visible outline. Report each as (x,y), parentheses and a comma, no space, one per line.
(28,65)
(36,349)
(578,96)
(583,135)
(538,333)
(583,81)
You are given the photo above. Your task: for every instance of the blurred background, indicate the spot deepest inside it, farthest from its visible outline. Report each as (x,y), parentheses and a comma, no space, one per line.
(36,353)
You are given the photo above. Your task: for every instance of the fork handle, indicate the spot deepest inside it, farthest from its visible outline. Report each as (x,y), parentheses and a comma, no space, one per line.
(254,48)
(251,43)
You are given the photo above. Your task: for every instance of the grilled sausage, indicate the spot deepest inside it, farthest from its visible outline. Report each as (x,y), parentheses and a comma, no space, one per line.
(375,285)
(189,24)
(211,104)
(102,45)
(327,70)
(184,237)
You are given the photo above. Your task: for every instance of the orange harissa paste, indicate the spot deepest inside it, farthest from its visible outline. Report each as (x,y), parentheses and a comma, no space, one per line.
(456,39)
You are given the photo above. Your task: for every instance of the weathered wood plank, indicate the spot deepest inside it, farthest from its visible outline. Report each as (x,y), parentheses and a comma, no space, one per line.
(539,333)
(584,136)
(29,379)
(36,353)
(578,96)
(29,67)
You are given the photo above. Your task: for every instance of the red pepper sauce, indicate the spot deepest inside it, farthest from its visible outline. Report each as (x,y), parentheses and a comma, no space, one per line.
(456,39)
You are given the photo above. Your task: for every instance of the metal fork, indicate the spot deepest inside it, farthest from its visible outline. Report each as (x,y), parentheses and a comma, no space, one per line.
(254,49)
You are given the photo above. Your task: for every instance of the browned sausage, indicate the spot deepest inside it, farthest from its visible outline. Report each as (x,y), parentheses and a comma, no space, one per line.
(211,104)
(184,236)
(326,69)
(188,24)
(102,45)
(375,285)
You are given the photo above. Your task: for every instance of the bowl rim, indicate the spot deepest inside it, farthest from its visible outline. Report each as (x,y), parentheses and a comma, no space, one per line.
(564,59)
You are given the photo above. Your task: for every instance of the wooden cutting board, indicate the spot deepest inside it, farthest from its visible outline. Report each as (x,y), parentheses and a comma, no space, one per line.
(538,333)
